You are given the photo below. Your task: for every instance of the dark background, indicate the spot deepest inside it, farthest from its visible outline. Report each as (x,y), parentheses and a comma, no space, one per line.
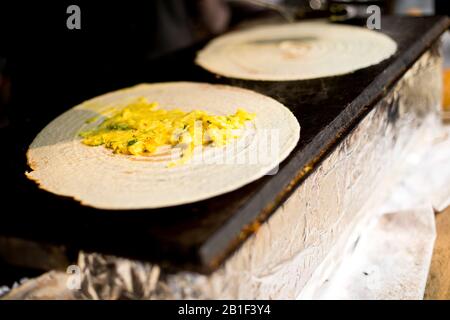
(113,49)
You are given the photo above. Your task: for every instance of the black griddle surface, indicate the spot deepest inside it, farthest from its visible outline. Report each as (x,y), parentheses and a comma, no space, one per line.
(201,235)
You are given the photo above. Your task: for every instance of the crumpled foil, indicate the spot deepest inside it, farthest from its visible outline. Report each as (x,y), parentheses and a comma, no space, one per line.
(107,277)
(308,237)
(391,260)
(49,286)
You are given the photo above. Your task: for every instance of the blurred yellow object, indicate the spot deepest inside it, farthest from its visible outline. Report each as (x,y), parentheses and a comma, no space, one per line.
(446,88)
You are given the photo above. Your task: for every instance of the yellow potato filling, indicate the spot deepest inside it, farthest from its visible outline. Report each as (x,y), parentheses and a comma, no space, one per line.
(141,128)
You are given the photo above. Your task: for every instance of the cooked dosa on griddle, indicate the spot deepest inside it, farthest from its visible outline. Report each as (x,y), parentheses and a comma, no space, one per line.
(98,177)
(298,51)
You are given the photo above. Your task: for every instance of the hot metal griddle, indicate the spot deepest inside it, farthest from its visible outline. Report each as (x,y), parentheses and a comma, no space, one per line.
(200,236)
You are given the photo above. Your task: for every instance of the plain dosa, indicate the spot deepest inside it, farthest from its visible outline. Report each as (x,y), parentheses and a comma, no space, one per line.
(297,51)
